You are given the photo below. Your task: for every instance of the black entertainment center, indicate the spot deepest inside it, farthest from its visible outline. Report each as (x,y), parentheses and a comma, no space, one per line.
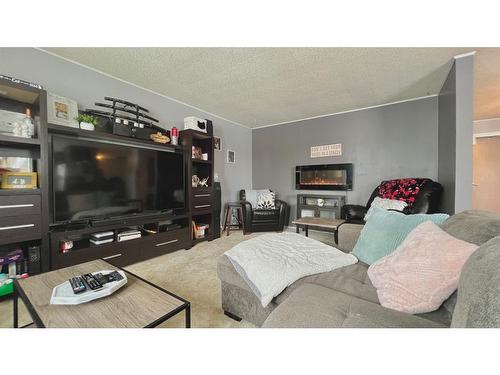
(97,181)
(164,224)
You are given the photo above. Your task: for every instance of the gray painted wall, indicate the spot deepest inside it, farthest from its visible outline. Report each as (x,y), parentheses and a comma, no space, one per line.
(87,86)
(447,144)
(399,140)
(464,132)
(455,136)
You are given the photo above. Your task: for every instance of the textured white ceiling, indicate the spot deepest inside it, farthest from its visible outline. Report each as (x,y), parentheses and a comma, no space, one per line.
(263,86)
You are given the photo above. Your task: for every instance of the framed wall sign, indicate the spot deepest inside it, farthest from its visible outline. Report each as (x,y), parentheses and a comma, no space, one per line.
(326,150)
(61,110)
(217,144)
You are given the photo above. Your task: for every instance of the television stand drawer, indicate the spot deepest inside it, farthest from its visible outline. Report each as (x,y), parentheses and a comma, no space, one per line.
(19,205)
(166,242)
(19,228)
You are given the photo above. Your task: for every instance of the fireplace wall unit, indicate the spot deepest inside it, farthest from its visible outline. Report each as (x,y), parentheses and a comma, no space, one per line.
(324,177)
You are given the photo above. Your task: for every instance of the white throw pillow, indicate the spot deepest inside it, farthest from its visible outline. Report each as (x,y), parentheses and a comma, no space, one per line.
(265,200)
(252,196)
(385,204)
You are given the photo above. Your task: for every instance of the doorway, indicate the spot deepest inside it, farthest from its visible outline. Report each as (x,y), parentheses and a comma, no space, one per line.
(486,174)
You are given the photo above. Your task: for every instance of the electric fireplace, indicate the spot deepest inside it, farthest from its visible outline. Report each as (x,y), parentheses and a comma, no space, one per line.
(324,177)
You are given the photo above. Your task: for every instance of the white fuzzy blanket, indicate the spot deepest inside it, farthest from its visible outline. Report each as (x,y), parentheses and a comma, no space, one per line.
(271,262)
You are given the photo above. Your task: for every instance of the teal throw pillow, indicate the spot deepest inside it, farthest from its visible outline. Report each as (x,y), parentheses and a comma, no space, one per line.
(385,230)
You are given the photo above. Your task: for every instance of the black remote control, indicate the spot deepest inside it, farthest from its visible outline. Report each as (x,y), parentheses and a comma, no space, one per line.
(91,281)
(77,285)
(114,276)
(101,278)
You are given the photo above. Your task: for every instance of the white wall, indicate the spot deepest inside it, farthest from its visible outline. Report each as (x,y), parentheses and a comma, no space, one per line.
(87,86)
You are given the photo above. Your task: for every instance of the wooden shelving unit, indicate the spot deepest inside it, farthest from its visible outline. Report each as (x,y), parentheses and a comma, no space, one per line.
(58,129)
(320,205)
(200,199)
(36,211)
(11,192)
(7,140)
(25,217)
(196,161)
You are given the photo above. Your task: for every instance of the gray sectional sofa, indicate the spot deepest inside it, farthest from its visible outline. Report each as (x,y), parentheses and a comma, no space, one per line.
(346,298)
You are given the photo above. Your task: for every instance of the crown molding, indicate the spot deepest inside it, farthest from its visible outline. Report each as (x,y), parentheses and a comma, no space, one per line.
(348,111)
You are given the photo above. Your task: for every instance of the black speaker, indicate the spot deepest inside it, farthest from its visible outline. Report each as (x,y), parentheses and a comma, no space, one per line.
(121,129)
(217,208)
(34,260)
(143,133)
(210,127)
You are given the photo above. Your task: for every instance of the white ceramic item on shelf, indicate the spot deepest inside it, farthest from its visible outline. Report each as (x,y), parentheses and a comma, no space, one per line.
(195,180)
(87,126)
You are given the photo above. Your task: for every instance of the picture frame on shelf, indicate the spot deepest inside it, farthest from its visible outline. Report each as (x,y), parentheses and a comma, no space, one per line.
(15,163)
(19,180)
(8,120)
(217,143)
(231,157)
(196,153)
(62,111)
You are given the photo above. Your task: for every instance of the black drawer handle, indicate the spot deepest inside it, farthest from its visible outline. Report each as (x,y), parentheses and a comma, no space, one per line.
(201,195)
(112,256)
(17,226)
(166,243)
(18,205)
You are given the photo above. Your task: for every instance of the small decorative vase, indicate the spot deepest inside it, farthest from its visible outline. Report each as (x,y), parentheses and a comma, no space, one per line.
(87,126)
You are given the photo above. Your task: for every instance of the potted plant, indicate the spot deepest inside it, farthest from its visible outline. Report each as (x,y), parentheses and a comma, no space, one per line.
(87,122)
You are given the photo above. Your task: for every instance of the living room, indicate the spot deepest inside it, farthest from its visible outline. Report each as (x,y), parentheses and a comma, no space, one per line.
(248,187)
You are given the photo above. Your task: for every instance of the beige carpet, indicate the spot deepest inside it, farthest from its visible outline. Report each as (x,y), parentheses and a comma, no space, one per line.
(191,274)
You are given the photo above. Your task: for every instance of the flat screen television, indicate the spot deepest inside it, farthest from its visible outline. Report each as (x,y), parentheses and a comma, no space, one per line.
(100,180)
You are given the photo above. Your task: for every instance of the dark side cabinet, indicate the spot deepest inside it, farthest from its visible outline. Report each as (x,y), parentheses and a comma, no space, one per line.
(20,218)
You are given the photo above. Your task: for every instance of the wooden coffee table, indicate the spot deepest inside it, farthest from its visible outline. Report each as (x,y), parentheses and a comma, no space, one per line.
(318,223)
(138,304)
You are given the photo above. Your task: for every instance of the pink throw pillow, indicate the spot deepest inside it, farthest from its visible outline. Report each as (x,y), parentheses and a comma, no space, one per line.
(422,272)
